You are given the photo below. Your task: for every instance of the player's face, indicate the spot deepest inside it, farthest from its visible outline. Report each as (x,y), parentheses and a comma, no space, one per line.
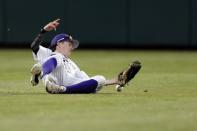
(66,48)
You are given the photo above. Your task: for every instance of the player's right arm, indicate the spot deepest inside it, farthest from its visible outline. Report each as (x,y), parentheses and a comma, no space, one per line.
(38,40)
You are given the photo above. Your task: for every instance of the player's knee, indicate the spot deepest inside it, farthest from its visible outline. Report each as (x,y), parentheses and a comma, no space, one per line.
(100,79)
(50,78)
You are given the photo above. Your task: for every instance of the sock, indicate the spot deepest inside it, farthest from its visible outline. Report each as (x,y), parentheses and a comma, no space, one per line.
(84,87)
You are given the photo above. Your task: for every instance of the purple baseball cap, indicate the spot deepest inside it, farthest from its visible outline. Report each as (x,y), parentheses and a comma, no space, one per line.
(64,37)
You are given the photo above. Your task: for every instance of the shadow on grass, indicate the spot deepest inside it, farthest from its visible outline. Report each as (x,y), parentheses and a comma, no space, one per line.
(21,93)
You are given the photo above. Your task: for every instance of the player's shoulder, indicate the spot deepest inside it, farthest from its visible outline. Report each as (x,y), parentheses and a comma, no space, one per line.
(44,51)
(57,56)
(42,47)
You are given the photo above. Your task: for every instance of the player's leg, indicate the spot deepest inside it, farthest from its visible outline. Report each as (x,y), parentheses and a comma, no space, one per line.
(84,87)
(39,70)
(52,86)
(39,56)
(36,73)
(87,86)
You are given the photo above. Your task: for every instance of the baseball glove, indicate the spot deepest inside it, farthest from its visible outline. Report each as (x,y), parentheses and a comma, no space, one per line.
(125,76)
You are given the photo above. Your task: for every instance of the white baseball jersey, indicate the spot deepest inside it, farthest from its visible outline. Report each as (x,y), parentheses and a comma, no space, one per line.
(42,54)
(67,72)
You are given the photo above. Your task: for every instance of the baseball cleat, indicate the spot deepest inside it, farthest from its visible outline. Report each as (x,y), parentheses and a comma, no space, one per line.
(36,74)
(125,76)
(52,87)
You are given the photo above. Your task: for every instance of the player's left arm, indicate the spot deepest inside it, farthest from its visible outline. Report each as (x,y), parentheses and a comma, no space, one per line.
(38,40)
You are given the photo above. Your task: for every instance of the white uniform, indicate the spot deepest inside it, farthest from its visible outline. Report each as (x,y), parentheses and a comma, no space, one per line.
(67,72)
(42,54)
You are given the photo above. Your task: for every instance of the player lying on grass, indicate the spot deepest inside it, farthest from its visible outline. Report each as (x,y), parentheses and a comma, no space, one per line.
(61,75)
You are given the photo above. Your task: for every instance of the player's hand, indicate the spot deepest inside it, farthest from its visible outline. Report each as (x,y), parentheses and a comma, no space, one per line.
(52,25)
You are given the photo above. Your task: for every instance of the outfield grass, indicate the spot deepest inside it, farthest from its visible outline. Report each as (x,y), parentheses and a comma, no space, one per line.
(163,96)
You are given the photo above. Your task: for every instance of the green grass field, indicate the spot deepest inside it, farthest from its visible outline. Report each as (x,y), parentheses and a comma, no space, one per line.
(170,103)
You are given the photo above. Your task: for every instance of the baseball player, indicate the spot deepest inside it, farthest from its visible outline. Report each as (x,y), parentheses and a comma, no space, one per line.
(61,75)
